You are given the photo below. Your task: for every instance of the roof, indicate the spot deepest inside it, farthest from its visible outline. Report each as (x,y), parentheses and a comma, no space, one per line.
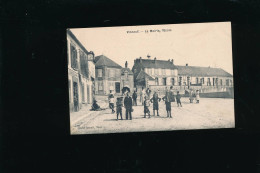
(202,71)
(76,40)
(142,75)
(105,61)
(126,69)
(151,63)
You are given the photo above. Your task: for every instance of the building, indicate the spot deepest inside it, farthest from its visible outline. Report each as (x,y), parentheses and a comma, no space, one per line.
(207,79)
(159,74)
(127,79)
(154,74)
(80,80)
(108,75)
(111,76)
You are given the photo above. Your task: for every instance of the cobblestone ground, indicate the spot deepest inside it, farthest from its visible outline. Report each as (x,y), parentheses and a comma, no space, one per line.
(209,113)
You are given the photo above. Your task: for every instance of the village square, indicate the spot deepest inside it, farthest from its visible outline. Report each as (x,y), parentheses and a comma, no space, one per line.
(152,95)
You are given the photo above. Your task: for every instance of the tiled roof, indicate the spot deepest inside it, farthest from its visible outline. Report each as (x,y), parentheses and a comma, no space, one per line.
(126,69)
(105,61)
(202,71)
(142,75)
(151,63)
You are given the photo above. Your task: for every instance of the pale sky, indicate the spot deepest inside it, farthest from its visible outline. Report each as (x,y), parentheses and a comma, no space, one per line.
(200,44)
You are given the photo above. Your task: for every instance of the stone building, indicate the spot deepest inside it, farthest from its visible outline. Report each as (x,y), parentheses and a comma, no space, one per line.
(111,76)
(108,75)
(161,74)
(154,74)
(127,79)
(204,76)
(80,81)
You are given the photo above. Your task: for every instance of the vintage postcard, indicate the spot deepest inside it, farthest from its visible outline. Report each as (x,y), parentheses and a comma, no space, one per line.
(150,78)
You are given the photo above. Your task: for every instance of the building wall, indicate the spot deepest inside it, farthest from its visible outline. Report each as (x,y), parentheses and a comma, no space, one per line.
(109,77)
(73,76)
(193,80)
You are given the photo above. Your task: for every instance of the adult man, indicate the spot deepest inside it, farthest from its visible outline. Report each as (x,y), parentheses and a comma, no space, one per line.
(134,98)
(155,100)
(128,106)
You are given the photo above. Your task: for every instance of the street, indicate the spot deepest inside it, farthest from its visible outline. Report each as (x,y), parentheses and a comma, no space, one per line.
(209,113)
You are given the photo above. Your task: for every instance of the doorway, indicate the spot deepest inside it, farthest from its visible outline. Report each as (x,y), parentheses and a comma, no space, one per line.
(75,97)
(88,94)
(117,87)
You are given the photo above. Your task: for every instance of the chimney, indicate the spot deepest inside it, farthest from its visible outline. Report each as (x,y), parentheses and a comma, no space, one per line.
(187,64)
(172,61)
(126,63)
(140,59)
(154,59)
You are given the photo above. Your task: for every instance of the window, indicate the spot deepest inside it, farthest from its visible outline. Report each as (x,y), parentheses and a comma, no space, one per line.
(188,80)
(156,71)
(216,81)
(126,75)
(100,73)
(83,93)
(118,73)
(150,71)
(220,81)
(73,55)
(69,91)
(163,72)
(180,81)
(164,81)
(100,85)
(227,82)
(197,80)
(202,80)
(172,81)
(156,81)
(111,73)
(208,82)
(83,64)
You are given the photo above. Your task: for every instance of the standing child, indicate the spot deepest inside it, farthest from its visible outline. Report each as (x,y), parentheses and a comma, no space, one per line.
(191,96)
(197,96)
(178,98)
(146,106)
(119,105)
(111,99)
(167,100)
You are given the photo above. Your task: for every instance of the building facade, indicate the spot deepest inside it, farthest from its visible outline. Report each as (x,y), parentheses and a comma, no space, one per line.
(111,76)
(207,79)
(159,75)
(127,79)
(154,74)
(80,81)
(108,75)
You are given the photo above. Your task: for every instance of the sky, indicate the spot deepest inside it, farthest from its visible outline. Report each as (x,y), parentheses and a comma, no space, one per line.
(196,44)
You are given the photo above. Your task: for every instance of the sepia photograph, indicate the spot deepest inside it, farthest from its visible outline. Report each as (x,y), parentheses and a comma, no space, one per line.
(150,78)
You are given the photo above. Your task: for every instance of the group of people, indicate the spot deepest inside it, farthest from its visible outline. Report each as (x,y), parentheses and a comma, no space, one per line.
(146,100)
(194,95)
(168,98)
(128,104)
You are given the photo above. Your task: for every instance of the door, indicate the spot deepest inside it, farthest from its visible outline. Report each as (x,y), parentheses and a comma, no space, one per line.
(117,87)
(88,94)
(75,96)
